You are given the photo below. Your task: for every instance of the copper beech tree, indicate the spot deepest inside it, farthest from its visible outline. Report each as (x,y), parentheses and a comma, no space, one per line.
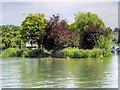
(91,35)
(57,35)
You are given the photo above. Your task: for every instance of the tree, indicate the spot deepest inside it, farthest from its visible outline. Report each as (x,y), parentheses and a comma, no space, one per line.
(72,26)
(10,37)
(91,36)
(82,20)
(57,35)
(32,27)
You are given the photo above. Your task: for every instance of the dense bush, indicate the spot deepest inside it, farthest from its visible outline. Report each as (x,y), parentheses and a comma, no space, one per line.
(58,36)
(14,52)
(26,53)
(39,53)
(80,53)
(70,52)
(105,43)
(35,53)
(10,52)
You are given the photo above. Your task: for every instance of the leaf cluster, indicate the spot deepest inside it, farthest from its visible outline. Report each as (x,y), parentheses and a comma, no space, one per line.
(58,36)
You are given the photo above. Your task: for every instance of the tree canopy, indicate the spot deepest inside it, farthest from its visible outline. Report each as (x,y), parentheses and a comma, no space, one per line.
(92,35)
(10,36)
(58,36)
(32,27)
(82,20)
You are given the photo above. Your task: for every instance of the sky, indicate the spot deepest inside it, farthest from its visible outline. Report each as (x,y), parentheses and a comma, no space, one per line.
(15,12)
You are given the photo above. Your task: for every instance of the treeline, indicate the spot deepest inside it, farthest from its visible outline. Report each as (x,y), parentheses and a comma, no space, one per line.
(10,36)
(87,32)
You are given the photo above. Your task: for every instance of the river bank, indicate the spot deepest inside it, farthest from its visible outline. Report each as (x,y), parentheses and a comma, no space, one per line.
(64,53)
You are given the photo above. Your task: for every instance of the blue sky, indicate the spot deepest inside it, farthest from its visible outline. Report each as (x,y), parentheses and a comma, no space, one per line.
(15,12)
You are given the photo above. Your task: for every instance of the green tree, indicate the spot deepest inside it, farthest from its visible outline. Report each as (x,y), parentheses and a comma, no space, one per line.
(10,36)
(72,26)
(32,27)
(82,20)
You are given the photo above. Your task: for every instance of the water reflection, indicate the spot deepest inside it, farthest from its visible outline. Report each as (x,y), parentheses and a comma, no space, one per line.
(56,73)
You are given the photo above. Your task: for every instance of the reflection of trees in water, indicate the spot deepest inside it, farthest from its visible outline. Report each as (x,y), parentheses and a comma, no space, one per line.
(40,72)
(64,73)
(89,72)
(29,73)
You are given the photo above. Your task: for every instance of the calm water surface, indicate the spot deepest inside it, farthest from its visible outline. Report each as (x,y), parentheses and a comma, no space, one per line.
(59,73)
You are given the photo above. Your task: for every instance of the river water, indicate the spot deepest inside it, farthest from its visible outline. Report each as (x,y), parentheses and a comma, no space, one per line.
(59,73)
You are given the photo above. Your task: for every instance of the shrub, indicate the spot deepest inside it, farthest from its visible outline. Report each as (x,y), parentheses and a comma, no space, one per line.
(105,43)
(70,52)
(96,52)
(106,53)
(87,53)
(80,53)
(39,53)
(35,53)
(26,53)
(10,52)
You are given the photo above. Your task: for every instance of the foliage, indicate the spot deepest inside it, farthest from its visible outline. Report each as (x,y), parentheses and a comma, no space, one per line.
(91,35)
(26,53)
(105,43)
(109,30)
(82,20)
(58,36)
(119,35)
(80,53)
(10,52)
(72,26)
(39,53)
(32,27)
(70,52)
(10,36)
(118,44)
(35,53)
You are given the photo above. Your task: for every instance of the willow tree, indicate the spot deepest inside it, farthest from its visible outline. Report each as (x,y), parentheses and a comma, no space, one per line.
(32,27)
(82,20)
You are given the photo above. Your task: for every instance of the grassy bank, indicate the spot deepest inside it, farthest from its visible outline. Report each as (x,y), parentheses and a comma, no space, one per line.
(14,52)
(67,52)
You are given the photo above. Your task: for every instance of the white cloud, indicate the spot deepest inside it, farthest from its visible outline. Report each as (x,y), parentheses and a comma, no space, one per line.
(12,12)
